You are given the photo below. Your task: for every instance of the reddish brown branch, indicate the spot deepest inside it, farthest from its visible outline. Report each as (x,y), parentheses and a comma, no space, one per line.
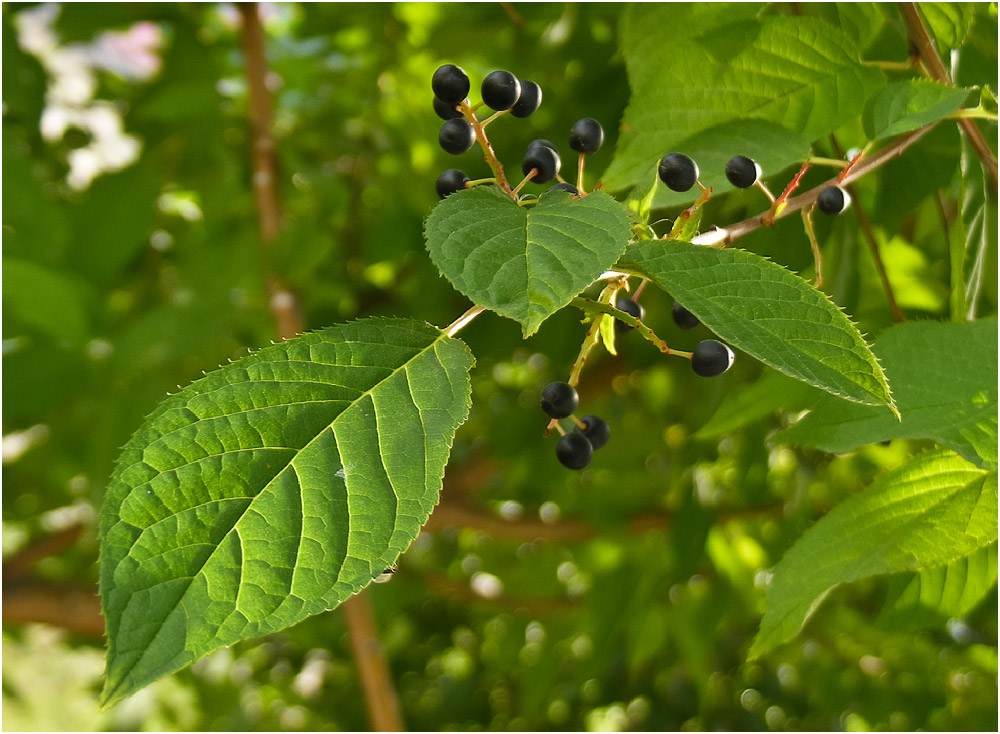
(932,62)
(373,669)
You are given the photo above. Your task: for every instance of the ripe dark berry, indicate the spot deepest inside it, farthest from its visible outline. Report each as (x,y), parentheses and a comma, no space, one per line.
(444,110)
(565,187)
(545,160)
(451,181)
(527,103)
(574,451)
(742,172)
(586,136)
(501,90)
(833,200)
(543,143)
(632,309)
(596,430)
(559,399)
(682,317)
(678,171)
(450,84)
(456,136)
(711,358)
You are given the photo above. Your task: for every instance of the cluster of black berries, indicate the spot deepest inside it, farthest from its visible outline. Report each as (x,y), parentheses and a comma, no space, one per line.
(679,172)
(709,359)
(502,92)
(574,450)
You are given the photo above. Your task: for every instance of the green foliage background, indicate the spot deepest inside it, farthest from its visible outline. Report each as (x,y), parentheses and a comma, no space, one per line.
(629,594)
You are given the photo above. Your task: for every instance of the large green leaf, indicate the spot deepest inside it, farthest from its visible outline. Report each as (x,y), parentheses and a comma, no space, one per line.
(525,262)
(768,312)
(932,596)
(908,104)
(273,489)
(800,73)
(944,379)
(933,510)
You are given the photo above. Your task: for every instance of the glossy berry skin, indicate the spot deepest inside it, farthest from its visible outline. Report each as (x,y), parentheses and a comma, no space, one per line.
(451,181)
(711,358)
(543,143)
(742,172)
(545,160)
(574,451)
(456,136)
(596,430)
(682,317)
(445,111)
(678,171)
(833,200)
(586,136)
(565,187)
(559,399)
(450,84)
(501,90)
(528,102)
(632,309)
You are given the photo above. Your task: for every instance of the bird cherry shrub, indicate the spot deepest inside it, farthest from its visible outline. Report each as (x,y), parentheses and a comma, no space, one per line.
(279,485)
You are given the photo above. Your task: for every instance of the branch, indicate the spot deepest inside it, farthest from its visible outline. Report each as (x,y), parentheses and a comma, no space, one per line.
(865,165)
(376,680)
(935,67)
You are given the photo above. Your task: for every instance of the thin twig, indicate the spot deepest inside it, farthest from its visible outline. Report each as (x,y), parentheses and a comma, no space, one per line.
(464,320)
(935,67)
(373,669)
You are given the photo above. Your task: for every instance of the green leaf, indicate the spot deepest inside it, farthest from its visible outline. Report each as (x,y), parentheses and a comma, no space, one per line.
(976,236)
(932,596)
(939,395)
(768,312)
(769,394)
(273,489)
(525,263)
(801,74)
(908,104)
(949,23)
(934,509)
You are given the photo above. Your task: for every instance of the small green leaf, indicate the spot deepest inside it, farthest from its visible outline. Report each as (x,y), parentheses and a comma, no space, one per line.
(934,509)
(768,312)
(799,74)
(273,489)
(949,23)
(908,104)
(932,596)
(525,263)
(938,394)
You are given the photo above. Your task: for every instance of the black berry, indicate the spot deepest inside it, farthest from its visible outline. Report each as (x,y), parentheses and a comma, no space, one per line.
(543,143)
(711,358)
(451,181)
(596,430)
(682,317)
(450,84)
(565,187)
(678,171)
(632,309)
(574,451)
(501,90)
(559,399)
(444,110)
(545,160)
(527,103)
(456,136)
(833,200)
(742,172)
(586,136)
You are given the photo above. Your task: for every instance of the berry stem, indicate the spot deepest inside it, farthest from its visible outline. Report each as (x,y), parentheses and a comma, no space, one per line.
(767,192)
(531,174)
(492,117)
(579,173)
(490,157)
(813,243)
(480,182)
(588,306)
(640,289)
(779,204)
(831,162)
(579,423)
(589,342)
